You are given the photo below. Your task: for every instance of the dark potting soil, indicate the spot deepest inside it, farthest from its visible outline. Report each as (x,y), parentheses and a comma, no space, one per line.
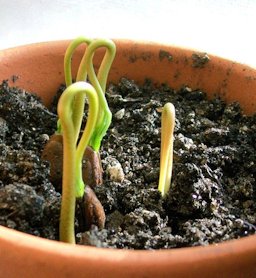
(213,190)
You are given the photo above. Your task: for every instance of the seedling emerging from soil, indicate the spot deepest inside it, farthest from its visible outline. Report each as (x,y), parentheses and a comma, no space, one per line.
(73,185)
(166,155)
(98,82)
(64,145)
(70,110)
(92,169)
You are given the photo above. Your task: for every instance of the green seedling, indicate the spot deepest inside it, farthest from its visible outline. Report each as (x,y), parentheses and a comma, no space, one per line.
(73,185)
(166,155)
(99,82)
(79,100)
(70,111)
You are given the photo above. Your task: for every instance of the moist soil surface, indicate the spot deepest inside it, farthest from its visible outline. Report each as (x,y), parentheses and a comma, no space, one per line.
(213,189)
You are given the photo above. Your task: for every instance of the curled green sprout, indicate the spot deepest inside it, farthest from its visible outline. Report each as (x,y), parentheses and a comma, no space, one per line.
(99,82)
(166,155)
(73,185)
(79,100)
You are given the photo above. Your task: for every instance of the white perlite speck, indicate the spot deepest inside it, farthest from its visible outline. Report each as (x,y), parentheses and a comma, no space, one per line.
(115,171)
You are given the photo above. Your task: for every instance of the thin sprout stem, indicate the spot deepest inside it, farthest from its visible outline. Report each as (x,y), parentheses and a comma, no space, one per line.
(85,139)
(72,171)
(166,155)
(99,83)
(68,59)
(79,100)
(106,63)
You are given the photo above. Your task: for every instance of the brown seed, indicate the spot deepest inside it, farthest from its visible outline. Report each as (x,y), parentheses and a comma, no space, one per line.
(93,210)
(53,153)
(92,168)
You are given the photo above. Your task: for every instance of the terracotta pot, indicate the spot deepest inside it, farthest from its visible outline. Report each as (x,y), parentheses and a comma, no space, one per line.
(40,69)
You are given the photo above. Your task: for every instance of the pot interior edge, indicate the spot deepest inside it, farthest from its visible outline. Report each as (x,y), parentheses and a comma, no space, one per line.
(45,258)
(20,239)
(40,69)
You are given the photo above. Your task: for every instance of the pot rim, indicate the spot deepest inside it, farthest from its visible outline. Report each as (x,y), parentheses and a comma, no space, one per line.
(244,245)
(235,256)
(229,79)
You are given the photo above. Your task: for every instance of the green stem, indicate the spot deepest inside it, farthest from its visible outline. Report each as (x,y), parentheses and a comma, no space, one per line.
(99,83)
(80,99)
(106,62)
(72,161)
(166,155)
(68,59)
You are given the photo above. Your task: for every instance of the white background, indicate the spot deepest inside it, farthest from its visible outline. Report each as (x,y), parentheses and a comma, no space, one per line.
(223,27)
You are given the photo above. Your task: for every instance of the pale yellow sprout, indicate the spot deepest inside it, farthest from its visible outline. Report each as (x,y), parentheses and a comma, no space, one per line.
(166,155)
